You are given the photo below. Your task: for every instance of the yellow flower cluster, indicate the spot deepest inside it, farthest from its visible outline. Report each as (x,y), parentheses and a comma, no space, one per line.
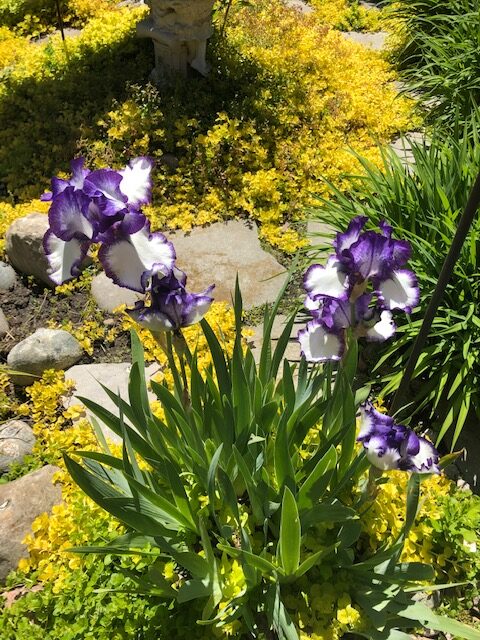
(348,16)
(384,519)
(12,47)
(323,610)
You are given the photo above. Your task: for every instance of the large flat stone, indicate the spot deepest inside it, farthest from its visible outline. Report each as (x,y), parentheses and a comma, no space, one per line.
(21,501)
(88,379)
(216,254)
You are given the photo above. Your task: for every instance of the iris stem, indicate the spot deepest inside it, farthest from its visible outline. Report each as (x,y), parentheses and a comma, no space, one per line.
(446,272)
(181,347)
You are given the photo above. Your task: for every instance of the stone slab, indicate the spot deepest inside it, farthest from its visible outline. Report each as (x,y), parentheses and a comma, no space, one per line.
(320,232)
(89,377)
(375,41)
(216,254)
(24,246)
(21,501)
(4,327)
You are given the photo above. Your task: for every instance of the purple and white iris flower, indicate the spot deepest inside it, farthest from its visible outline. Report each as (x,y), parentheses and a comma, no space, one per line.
(357,289)
(171,307)
(391,446)
(104,206)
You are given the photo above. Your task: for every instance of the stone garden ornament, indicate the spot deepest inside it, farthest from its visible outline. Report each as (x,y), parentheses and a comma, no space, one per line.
(179,30)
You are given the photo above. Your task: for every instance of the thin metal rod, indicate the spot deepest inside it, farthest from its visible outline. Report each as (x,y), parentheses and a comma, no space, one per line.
(463,228)
(60,19)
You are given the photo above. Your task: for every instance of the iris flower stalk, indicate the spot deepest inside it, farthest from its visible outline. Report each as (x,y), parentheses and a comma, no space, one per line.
(354,296)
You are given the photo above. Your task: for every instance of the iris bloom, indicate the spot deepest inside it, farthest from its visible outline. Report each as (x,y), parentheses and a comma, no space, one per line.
(357,289)
(393,446)
(104,206)
(171,306)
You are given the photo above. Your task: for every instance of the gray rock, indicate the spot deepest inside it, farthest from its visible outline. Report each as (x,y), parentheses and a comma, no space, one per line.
(21,501)
(4,327)
(16,441)
(375,41)
(24,246)
(8,277)
(88,379)
(45,349)
(109,295)
(216,254)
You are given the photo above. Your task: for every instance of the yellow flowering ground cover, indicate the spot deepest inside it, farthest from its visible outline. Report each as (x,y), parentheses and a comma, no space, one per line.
(288,99)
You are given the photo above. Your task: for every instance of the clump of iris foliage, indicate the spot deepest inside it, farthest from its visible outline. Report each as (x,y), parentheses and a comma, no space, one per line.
(439,56)
(423,202)
(249,487)
(286,97)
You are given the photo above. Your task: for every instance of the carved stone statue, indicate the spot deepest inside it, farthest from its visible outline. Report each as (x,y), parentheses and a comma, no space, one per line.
(179,30)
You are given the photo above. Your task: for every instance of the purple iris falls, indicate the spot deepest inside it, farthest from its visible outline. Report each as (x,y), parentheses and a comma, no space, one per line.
(357,289)
(391,446)
(104,206)
(171,306)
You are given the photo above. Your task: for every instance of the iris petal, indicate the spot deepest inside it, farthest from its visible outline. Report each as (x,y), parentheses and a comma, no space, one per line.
(329,280)
(67,215)
(64,257)
(130,260)
(136,182)
(319,345)
(399,291)
(383,329)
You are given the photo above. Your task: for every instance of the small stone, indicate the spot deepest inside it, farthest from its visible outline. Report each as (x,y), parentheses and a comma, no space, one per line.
(21,501)
(24,246)
(45,349)
(8,277)
(218,253)
(109,295)
(109,322)
(4,327)
(16,441)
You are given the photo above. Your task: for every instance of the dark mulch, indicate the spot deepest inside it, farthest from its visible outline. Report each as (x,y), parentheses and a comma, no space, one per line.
(30,306)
